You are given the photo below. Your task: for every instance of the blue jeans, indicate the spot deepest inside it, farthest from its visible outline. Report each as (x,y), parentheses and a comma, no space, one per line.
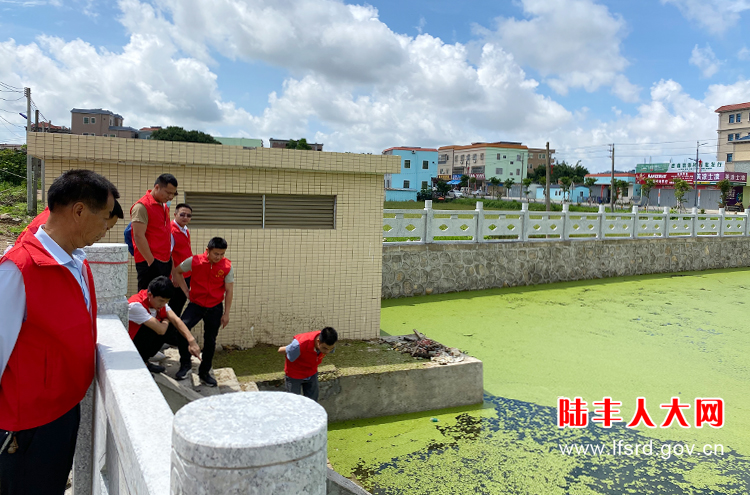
(304,386)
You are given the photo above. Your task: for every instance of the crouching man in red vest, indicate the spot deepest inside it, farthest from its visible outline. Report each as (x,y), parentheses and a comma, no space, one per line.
(149,326)
(48,335)
(211,284)
(303,356)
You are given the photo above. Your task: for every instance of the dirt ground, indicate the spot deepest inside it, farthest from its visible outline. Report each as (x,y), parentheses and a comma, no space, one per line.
(7,237)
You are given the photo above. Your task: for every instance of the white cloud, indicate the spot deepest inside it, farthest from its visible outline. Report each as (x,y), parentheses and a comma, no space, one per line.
(715,15)
(705,60)
(743,54)
(571,43)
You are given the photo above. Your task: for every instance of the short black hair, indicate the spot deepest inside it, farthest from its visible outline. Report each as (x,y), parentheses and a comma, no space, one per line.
(217,243)
(164,179)
(184,205)
(117,211)
(87,186)
(329,336)
(161,287)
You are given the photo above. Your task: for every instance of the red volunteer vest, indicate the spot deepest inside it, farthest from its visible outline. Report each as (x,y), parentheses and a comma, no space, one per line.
(32,228)
(181,250)
(158,230)
(306,365)
(207,281)
(142,297)
(53,361)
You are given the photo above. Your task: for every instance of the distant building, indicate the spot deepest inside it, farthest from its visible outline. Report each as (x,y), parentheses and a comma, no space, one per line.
(481,161)
(604,183)
(99,122)
(734,125)
(538,158)
(281,143)
(418,167)
(48,127)
(145,132)
(580,194)
(244,142)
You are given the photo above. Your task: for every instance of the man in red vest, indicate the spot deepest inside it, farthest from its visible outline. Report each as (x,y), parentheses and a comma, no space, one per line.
(152,231)
(303,356)
(152,323)
(181,251)
(48,335)
(211,284)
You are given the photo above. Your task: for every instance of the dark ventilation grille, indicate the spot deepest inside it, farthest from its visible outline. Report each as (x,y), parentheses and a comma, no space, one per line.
(233,211)
(248,211)
(300,212)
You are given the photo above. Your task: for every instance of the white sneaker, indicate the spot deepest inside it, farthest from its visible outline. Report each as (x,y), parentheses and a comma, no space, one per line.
(159,356)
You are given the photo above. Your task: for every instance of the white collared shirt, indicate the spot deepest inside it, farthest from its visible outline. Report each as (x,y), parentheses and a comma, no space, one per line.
(184,230)
(13,292)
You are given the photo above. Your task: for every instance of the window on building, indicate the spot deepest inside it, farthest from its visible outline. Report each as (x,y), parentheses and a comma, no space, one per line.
(406,184)
(462,158)
(93,134)
(731,137)
(85,133)
(504,157)
(498,156)
(511,173)
(85,120)
(93,120)
(729,157)
(481,156)
(498,171)
(736,136)
(110,121)
(738,118)
(518,171)
(424,184)
(425,165)
(731,118)
(455,158)
(407,163)
(474,157)
(542,155)
(518,157)
(511,163)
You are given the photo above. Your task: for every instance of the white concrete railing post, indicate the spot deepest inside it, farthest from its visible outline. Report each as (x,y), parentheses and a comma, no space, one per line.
(694,230)
(722,214)
(109,268)
(478,236)
(746,213)
(257,443)
(634,231)
(665,210)
(565,215)
(602,213)
(524,221)
(428,221)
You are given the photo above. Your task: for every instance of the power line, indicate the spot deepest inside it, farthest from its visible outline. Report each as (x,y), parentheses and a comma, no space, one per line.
(19,98)
(8,86)
(11,123)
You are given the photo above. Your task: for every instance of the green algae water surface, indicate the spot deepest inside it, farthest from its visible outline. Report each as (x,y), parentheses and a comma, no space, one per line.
(660,336)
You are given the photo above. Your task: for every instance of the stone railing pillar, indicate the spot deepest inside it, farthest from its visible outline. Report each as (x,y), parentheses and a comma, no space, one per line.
(524,221)
(479,212)
(260,443)
(602,213)
(109,266)
(694,213)
(428,212)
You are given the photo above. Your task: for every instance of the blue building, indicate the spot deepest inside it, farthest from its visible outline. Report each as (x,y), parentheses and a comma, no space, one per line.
(418,168)
(580,194)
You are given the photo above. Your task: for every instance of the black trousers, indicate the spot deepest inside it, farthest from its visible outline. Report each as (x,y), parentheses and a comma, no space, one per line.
(44,458)
(211,322)
(179,299)
(147,273)
(149,343)
(304,386)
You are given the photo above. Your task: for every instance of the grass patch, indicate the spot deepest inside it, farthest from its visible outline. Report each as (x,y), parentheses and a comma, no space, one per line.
(352,357)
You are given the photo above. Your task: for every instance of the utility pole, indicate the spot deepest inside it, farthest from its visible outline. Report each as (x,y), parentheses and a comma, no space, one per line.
(30,210)
(35,166)
(546,187)
(613,190)
(695,174)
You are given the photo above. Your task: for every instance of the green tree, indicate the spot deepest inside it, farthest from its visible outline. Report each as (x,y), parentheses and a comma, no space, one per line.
(442,188)
(298,145)
(680,188)
(508,185)
(526,185)
(464,181)
(495,183)
(565,183)
(646,188)
(590,182)
(13,166)
(174,133)
(724,186)
(622,190)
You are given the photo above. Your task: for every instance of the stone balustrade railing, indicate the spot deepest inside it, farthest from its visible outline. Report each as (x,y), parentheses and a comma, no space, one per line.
(480,226)
(130,443)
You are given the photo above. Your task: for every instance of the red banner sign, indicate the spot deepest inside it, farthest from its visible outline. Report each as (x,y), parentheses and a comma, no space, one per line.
(667,179)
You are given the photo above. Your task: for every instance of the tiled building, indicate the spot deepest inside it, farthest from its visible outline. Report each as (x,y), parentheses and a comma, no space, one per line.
(538,158)
(99,122)
(304,229)
(418,168)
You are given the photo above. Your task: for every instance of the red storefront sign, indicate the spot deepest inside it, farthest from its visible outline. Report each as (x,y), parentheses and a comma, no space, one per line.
(667,179)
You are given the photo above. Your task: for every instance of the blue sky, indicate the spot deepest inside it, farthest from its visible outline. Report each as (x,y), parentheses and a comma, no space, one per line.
(359,77)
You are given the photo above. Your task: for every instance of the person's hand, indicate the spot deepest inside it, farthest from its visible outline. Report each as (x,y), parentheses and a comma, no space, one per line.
(194,349)
(149,263)
(224,320)
(282,349)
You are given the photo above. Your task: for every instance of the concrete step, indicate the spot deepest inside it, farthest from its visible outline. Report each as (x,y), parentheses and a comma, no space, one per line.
(225,377)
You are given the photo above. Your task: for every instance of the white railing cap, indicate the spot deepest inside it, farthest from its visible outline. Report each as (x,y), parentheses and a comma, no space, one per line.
(249,429)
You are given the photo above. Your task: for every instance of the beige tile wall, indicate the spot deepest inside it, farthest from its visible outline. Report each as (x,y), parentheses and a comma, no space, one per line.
(287,281)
